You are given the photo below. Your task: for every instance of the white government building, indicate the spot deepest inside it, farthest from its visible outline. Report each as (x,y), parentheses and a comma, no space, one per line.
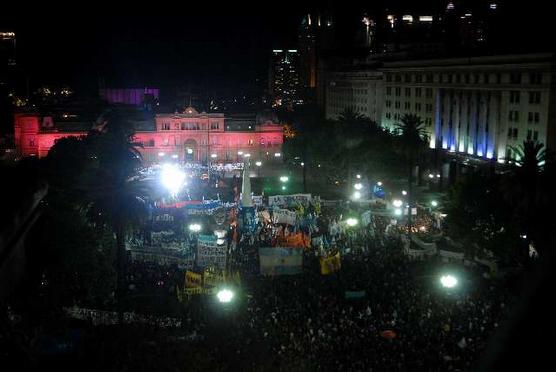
(480,106)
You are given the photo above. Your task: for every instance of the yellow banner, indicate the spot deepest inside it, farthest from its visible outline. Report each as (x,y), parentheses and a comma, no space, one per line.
(331,264)
(193,279)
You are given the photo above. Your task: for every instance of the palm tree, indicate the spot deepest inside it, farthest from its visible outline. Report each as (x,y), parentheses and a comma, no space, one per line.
(351,129)
(413,139)
(522,185)
(113,192)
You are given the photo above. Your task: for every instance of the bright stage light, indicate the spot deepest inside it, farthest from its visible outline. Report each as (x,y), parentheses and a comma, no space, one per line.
(258,163)
(434,203)
(397,203)
(404,192)
(172,178)
(225,295)
(351,222)
(448,281)
(379,183)
(358,176)
(358,186)
(356,195)
(284,179)
(213,156)
(398,212)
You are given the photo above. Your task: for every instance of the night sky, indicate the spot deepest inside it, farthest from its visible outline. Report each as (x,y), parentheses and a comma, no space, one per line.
(215,47)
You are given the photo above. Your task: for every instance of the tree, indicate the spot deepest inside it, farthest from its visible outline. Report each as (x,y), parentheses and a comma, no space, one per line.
(522,186)
(412,141)
(479,217)
(115,193)
(100,173)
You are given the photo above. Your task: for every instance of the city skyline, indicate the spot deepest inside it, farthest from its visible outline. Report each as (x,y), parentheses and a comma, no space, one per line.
(215,49)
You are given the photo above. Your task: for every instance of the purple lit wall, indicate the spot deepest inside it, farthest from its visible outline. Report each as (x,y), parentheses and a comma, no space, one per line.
(128,96)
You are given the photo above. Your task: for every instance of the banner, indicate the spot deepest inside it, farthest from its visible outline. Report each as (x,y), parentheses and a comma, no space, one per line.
(248,219)
(257,200)
(331,264)
(366,218)
(289,200)
(297,240)
(280,261)
(284,216)
(209,253)
(193,279)
(161,259)
(264,216)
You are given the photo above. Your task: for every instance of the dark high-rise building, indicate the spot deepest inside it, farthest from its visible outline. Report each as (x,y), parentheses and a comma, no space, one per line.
(7,49)
(316,34)
(284,81)
(7,78)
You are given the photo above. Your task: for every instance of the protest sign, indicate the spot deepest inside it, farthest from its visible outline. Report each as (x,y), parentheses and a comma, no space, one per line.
(289,200)
(209,253)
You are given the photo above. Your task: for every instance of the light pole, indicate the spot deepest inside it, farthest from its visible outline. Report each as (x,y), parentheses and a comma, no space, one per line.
(258,163)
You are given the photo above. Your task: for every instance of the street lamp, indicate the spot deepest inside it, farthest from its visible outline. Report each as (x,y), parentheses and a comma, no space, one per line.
(448,281)
(195,227)
(172,178)
(351,222)
(225,296)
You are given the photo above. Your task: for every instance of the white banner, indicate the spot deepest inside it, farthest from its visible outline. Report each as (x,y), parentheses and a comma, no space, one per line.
(257,200)
(283,216)
(450,254)
(209,253)
(366,218)
(289,200)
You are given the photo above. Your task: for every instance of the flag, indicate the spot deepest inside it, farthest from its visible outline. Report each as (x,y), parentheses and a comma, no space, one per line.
(330,264)
(280,261)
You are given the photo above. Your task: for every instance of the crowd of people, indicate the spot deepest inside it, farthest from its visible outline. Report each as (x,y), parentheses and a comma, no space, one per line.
(400,319)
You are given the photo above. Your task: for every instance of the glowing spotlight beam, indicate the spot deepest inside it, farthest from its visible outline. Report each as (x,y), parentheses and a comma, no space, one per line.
(448,281)
(172,178)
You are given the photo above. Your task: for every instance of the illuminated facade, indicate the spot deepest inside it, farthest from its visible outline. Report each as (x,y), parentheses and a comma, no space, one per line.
(360,91)
(189,136)
(477,106)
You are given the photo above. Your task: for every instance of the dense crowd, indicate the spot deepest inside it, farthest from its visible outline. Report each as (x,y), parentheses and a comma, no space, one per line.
(401,319)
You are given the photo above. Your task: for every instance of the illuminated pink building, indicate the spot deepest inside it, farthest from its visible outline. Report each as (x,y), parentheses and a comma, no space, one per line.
(188,136)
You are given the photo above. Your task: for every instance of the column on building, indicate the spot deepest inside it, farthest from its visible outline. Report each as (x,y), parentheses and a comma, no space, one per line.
(473,122)
(464,143)
(457,124)
(445,123)
(493,124)
(483,122)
